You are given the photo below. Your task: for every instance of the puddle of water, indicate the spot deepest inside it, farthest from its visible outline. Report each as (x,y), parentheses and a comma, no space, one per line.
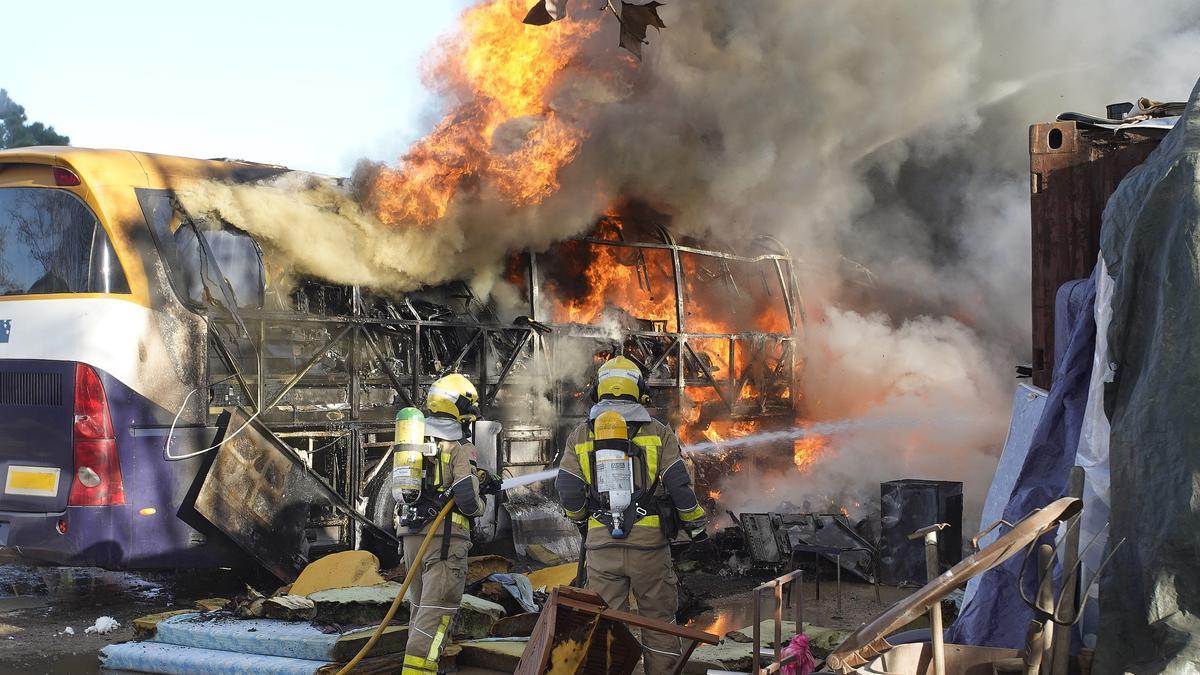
(23,602)
(19,583)
(733,614)
(16,580)
(66,663)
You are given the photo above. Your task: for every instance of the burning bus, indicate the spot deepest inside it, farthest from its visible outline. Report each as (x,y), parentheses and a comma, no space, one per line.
(172,394)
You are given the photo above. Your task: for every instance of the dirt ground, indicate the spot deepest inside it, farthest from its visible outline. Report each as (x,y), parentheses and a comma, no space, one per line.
(37,605)
(733,609)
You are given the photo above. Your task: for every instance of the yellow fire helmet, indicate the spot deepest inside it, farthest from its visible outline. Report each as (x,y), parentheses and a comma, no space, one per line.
(621,378)
(455,397)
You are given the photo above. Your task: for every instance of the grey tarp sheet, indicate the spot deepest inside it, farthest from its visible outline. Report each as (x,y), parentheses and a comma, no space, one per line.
(996,616)
(1150,239)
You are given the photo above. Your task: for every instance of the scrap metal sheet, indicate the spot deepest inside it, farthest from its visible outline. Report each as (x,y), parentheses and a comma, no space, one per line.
(259,494)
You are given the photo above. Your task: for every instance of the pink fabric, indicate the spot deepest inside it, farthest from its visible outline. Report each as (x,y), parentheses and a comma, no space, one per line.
(804,663)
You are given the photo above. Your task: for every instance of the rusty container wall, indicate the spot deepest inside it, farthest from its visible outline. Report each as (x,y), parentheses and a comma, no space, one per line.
(1073,170)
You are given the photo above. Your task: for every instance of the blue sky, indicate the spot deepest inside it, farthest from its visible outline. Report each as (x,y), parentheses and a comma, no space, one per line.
(313,85)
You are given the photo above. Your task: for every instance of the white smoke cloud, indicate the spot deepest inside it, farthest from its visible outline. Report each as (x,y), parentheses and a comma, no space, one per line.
(935,374)
(919,399)
(890,134)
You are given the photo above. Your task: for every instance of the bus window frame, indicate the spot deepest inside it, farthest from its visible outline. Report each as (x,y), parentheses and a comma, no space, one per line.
(165,243)
(99,225)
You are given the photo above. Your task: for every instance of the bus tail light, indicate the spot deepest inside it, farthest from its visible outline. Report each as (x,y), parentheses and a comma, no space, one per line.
(97,480)
(65,177)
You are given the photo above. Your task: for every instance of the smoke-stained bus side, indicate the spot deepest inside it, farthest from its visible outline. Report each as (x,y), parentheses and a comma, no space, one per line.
(97,360)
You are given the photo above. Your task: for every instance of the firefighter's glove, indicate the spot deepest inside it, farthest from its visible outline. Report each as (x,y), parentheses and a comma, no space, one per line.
(442,499)
(489,483)
(701,548)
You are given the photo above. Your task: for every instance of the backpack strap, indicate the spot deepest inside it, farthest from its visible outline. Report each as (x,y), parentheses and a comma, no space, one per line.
(447,525)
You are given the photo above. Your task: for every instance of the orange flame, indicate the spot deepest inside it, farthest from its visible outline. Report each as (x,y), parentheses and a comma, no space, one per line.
(508,136)
(593,281)
(503,71)
(806,451)
(617,278)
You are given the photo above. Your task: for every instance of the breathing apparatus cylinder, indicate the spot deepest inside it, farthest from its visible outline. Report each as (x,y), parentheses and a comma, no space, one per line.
(614,466)
(408,456)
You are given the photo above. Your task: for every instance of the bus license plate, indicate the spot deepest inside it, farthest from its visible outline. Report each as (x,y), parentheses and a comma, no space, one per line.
(32,481)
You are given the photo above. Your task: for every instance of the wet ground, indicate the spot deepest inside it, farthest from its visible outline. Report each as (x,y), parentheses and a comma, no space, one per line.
(38,605)
(735,610)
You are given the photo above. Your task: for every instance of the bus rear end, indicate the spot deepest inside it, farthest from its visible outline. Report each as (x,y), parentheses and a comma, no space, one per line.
(59,462)
(60,471)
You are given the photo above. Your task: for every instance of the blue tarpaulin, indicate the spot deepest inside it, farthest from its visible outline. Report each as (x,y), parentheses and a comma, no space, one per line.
(996,615)
(1028,404)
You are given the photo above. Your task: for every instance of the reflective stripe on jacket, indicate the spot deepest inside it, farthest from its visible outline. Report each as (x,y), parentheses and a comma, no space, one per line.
(452,471)
(651,448)
(662,461)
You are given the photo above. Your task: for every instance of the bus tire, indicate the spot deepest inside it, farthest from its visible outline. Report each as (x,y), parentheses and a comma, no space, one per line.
(381,509)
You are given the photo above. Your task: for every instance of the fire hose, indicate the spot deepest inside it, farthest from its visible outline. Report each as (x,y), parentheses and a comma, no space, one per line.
(508,484)
(408,577)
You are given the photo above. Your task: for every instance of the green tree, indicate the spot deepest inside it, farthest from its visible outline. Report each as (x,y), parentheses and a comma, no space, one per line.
(16,133)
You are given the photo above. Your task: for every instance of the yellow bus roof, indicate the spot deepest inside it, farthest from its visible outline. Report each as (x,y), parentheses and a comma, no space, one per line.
(141,169)
(108,179)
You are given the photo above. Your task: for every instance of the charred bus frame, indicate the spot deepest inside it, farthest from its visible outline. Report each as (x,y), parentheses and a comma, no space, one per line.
(334,404)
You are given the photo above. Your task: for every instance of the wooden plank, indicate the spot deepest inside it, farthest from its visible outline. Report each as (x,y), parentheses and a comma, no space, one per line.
(519,625)
(642,622)
(579,634)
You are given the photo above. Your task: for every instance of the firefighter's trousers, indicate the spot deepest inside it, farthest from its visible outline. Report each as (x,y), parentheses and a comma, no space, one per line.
(612,572)
(436,592)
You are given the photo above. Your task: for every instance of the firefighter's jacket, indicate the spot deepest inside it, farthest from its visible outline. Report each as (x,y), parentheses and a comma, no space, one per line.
(660,452)
(452,469)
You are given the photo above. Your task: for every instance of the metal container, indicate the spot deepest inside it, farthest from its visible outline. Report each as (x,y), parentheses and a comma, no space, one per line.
(907,506)
(1073,170)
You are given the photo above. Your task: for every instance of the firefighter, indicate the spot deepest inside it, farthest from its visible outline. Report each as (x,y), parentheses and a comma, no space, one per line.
(622,474)
(444,468)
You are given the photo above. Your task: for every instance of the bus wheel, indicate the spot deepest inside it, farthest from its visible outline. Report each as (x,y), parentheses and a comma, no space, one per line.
(381,509)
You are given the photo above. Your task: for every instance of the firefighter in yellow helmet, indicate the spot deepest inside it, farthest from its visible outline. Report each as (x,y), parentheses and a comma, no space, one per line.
(622,474)
(447,470)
